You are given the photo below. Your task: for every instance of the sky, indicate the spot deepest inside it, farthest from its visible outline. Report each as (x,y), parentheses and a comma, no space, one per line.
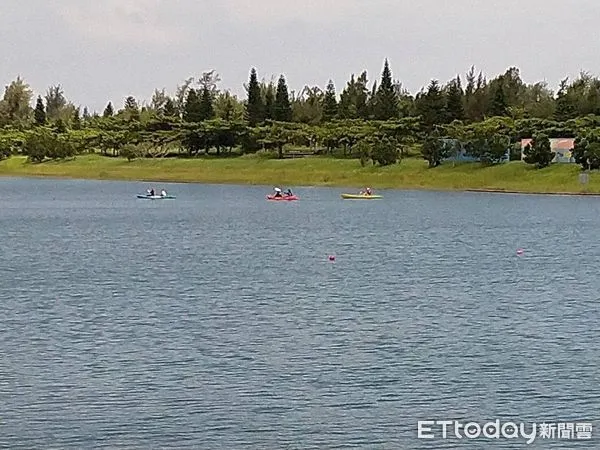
(105,50)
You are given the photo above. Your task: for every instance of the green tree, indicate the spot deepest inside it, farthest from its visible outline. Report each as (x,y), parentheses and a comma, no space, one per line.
(363,149)
(489,149)
(131,103)
(131,110)
(181,95)
(158,101)
(228,107)
(538,151)
(513,87)
(586,151)
(15,105)
(193,108)
(39,113)
(431,105)
(476,96)
(283,108)
(130,151)
(170,109)
(42,143)
(498,103)
(210,81)
(434,150)
(566,108)
(55,102)
(254,106)
(60,127)
(386,101)
(76,120)
(330,106)
(269,108)
(308,106)
(354,99)
(206,110)
(454,100)
(539,101)
(385,151)
(108,111)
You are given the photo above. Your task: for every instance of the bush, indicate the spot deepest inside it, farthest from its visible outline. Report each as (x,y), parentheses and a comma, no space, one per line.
(43,143)
(130,151)
(385,152)
(539,152)
(434,150)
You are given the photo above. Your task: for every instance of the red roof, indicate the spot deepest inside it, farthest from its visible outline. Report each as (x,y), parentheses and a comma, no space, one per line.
(555,144)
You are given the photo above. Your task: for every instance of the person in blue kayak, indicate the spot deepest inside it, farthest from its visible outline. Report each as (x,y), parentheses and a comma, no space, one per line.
(277,192)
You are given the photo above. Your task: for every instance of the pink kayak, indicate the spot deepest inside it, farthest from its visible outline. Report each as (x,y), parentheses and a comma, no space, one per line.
(285,197)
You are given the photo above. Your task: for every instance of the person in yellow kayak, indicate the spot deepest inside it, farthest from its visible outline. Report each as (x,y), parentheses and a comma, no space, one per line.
(366,192)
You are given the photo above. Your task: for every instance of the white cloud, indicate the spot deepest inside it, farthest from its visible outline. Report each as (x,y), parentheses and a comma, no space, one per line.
(126,21)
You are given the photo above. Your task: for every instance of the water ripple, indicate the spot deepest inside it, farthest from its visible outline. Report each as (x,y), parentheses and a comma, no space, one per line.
(217,321)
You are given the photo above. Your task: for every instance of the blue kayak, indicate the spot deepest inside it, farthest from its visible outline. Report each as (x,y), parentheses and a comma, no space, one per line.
(156,197)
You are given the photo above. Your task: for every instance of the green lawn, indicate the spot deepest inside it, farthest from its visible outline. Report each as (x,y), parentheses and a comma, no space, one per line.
(409,174)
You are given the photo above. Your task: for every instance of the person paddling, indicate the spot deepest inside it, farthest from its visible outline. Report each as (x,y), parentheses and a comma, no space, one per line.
(288,193)
(278,192)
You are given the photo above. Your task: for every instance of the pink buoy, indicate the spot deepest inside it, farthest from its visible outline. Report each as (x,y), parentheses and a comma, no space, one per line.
(331,258)
(520,251)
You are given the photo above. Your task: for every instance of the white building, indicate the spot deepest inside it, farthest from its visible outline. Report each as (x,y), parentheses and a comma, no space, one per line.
(561,147)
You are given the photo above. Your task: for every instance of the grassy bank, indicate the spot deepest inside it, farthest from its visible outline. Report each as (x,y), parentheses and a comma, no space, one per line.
(409,174)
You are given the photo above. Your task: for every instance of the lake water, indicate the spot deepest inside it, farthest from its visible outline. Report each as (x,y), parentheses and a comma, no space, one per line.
(217,321)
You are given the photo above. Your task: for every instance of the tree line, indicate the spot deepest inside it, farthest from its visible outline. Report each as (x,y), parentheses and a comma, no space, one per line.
(379,121)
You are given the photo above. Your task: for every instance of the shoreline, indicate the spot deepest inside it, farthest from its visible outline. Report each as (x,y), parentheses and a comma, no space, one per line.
(411,174)
(309,186)
(503,191)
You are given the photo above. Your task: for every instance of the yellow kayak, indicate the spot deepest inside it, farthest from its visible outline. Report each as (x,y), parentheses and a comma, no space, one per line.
(361,196)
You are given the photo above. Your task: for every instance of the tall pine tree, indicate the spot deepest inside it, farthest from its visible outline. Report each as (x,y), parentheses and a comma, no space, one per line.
(55,103)
(131,109)
(283,108)
(40,112)
(566,108)
(498,104)
(386,101)
(431,105)
(109,110)
(454,100)
(192,109)
(330,106)
(254,106)
(206,110)
(170,109)
(269,102)
(354,98)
